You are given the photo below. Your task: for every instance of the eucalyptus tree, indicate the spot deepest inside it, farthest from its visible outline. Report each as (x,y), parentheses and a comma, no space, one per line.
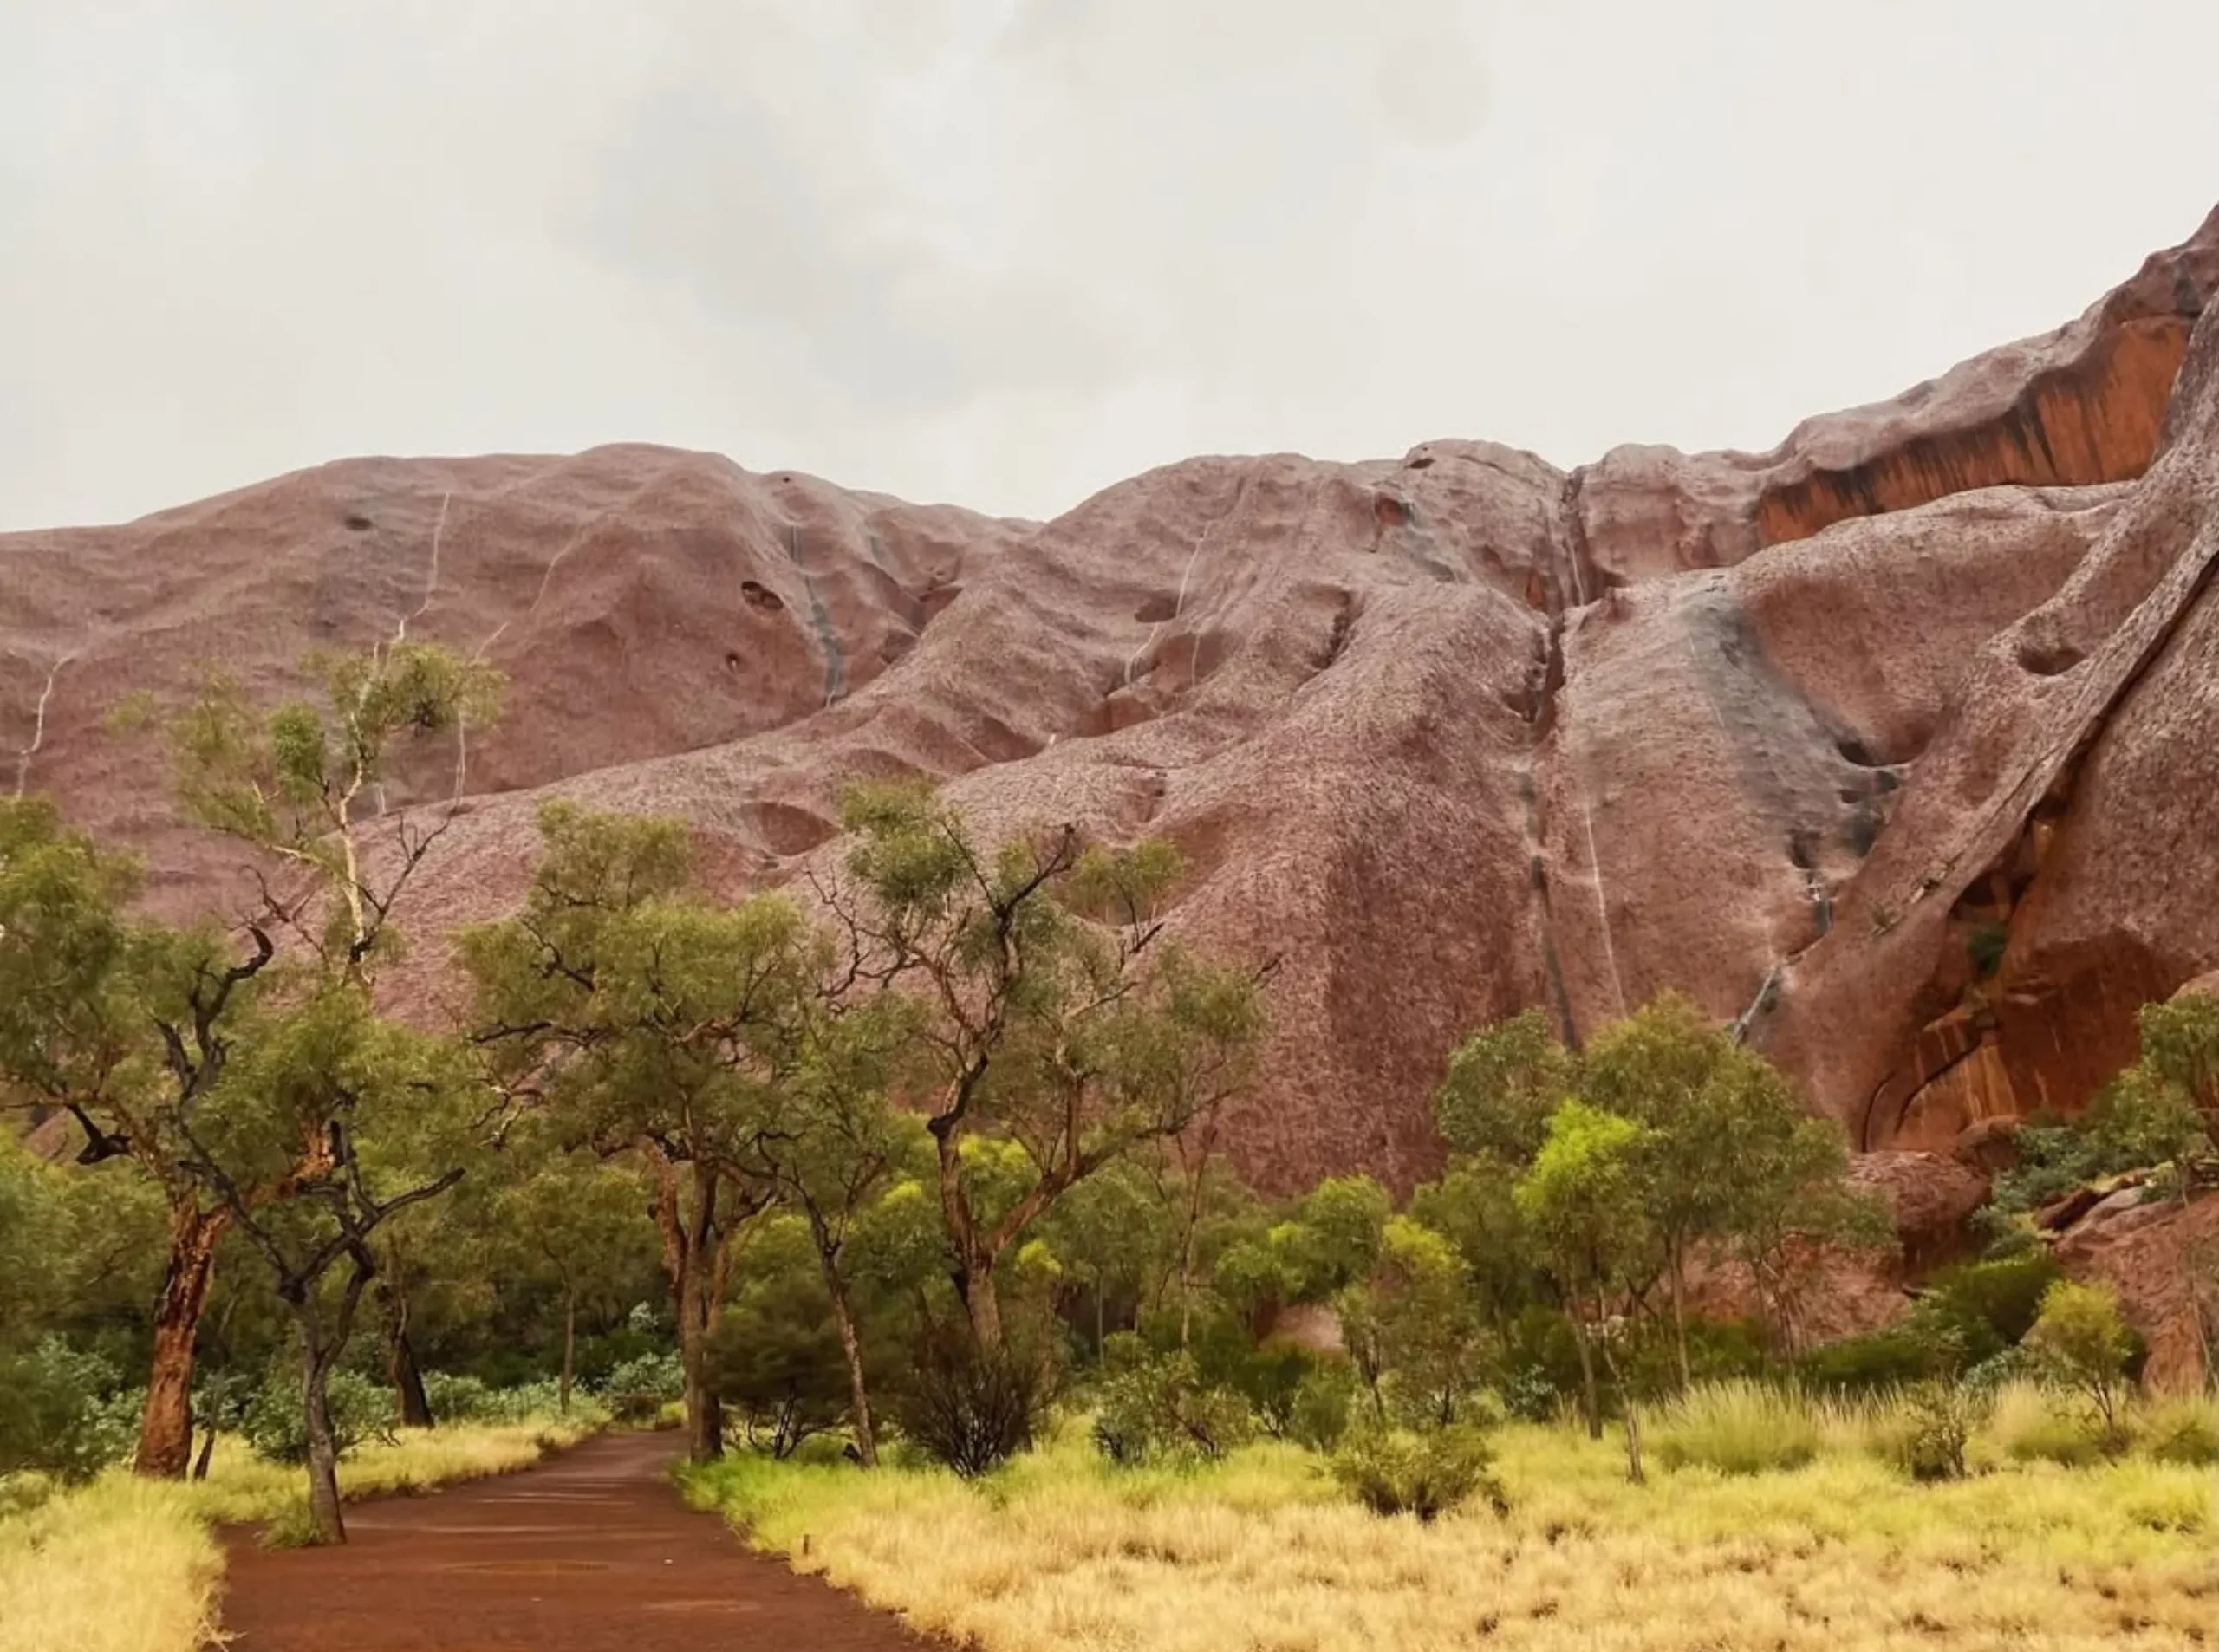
(1581,1201)
(833,1143)
(1057,1020)
(638,1015)
(135,1029)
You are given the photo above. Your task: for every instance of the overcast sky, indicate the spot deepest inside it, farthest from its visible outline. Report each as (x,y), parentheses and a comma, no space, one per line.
(1004,252)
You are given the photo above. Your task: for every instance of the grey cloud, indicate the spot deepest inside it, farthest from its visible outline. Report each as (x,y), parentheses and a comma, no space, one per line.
(1006,251)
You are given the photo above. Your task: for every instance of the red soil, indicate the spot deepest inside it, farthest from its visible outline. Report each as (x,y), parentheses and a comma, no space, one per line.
(593,1552)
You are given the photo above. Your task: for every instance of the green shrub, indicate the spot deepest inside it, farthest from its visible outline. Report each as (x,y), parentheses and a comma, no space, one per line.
(2000,1371)
(1270,1378)
(1530,1394)
(1155,1409)
(638,1389)
(61,1413)
(968,1408)
(275,1423)
(1881,1360)
(2083,1341)
(1718,1351)
(1540,1352)
(468,1399)
(1989,1305)
(2184,1432)
(1421,1472)
(457,1398)
(1322,1406)
(1927,1439)
(1737,1427)
(2053,1160)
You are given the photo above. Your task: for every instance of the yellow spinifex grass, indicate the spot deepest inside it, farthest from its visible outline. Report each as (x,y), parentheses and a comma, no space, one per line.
(120,1565)
(1064,1554)
(130,1565)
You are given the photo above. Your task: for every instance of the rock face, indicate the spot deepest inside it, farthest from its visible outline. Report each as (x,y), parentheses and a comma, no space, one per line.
(1898,745)
(2163,1260)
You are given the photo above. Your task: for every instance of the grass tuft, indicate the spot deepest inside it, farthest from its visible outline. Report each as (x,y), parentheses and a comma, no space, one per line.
(1062,1553)
(1738,1427)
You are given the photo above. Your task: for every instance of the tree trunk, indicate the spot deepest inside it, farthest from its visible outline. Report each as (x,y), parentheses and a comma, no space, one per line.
(1186,1288)
(1591,1397)
(985,1306)
(693,1259)
(1679,1317)
(166,1427)
(569,1349)
(843,1318)
(402,1370)
(207,1450)
(705,1427)
(1633,1411)
(323,1447)
(705,1422)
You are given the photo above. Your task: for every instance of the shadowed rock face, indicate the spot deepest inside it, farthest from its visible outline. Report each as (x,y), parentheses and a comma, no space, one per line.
(1898,746)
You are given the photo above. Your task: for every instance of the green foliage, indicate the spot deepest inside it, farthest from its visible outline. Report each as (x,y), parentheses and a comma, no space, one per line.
(1474,1208)
(63,944)
(1966,1324)
(2085,1342)
(1059,1022)
(465,1399)
(275,1422)
(2053,1160)
(287,779)
(2180,1046)
(2145,1119)
(1738,1427)
(1427,1473)
(1502,1084)
(1153,1408)
(1111,1233)
(1985,945)
(1270,1378)
(1710,1147)
(1540,1362)
(775,1356)
(636,1390)
(58,1414)
(1324,1406)
(1974,1311)
(1877,1361)
(969,1407)
(1581,1199)
(1414,1329)
(2160,1113)
(1329,1241)
(1937,1422)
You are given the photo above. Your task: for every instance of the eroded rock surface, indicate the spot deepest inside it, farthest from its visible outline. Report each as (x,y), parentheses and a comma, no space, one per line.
(1897,746)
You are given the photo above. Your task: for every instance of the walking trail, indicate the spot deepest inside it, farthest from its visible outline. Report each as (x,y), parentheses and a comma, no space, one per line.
(591,1552)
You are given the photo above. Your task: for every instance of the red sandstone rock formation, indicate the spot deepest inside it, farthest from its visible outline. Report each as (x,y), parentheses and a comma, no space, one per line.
(1896,746)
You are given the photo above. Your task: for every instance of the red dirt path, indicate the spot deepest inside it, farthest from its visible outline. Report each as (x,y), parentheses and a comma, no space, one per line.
(592,1553)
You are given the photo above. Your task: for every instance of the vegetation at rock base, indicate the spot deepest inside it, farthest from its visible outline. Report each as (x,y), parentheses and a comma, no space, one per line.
(902,1187)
